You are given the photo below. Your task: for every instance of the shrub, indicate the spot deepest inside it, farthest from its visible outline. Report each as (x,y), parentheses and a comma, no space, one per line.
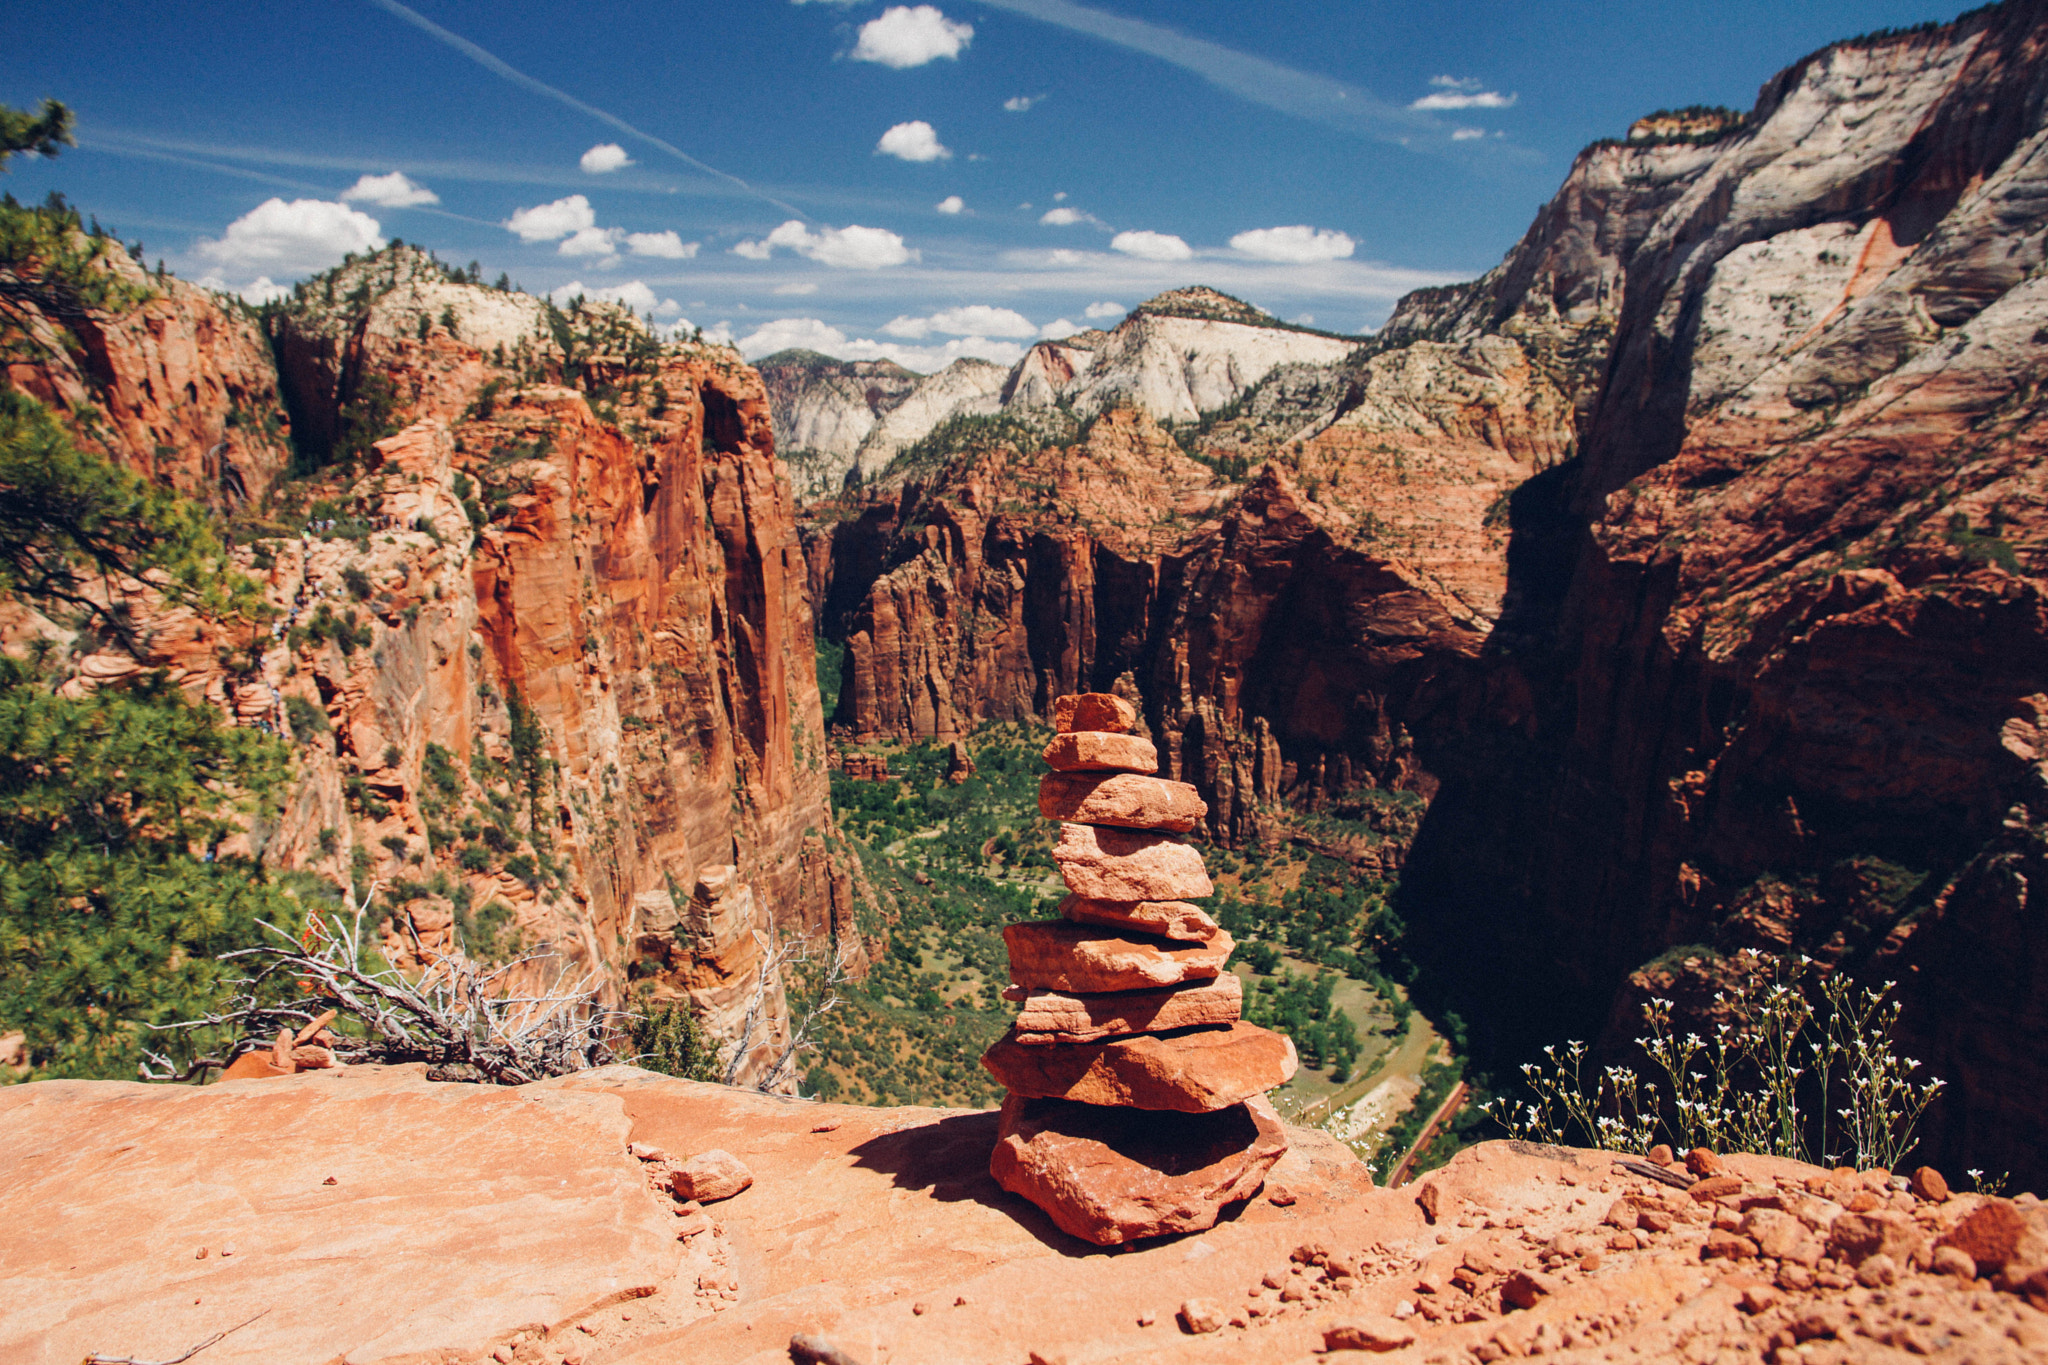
(1792,1079)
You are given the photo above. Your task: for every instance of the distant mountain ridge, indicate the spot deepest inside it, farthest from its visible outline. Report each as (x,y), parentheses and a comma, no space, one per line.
(1179,355)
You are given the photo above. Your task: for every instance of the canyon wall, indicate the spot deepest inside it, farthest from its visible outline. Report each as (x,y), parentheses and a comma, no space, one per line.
(1689,559)
(543,652)
(175,383)
(1770,672)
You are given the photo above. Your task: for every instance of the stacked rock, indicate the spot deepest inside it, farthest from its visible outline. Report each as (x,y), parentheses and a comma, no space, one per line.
(1137,1093)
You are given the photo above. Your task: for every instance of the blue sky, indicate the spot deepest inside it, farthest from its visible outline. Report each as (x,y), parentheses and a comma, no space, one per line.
(918,180)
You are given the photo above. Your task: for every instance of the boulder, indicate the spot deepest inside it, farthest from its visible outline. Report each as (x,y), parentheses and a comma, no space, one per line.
(1059,956)
(1116,1175)
(710,1176)
(1168,919)
(1098,750)
(1131,800)
(1367,1334)
(1058,1017)
(1109,864)
(1191,1070)
(1102,711)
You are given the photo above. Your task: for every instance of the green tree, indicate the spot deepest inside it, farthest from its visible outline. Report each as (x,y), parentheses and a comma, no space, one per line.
(42,132)
(114,899)
(72,522)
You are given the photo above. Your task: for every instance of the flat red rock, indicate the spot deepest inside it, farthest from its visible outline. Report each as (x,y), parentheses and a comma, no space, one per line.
(1168,919)
(1127,799)
(1103,711)
(1194,1071)
(1056,955)
(1116,1175)
(1108,864)
(1100,750)
(1060,1017)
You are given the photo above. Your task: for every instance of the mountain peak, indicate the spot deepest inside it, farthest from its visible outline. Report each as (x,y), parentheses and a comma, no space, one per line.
(1209,305)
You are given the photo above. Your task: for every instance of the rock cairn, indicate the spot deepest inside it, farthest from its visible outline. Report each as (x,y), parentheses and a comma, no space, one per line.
(1137,1092)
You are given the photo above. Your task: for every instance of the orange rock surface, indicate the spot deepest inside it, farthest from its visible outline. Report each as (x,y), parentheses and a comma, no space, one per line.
(856,1217)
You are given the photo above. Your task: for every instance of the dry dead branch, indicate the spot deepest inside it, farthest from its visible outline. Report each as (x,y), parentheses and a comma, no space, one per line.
(456,1012)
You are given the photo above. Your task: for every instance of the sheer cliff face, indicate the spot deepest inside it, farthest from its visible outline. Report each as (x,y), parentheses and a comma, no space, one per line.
(1771,672)
(550,673)
(641,596)
(179,387)
(841,420)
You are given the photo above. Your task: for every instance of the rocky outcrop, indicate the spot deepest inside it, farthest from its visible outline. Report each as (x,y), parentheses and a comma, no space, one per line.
(844,420)
(164,377)
(544,654)
(879,1234)
(1769,669)
(1175,357)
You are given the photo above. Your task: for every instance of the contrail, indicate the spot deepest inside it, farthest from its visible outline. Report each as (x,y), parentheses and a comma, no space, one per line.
(1300,93)
(518,77)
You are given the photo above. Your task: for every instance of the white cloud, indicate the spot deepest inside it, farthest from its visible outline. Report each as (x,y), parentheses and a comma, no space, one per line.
(263,290)
(1018,104)
(591,241)
(1294,245)
(913,141)
(849,248)
(1455,92)
(393,191)
(291,239)
(952,203)
(633,293)
(1057,328)
(666,245)
(1066,257)
(604,158)
(1096,312)
(546,222)
(797,287)
(1467,134)
(977,319)
(1060,197)
(911,35)
(815,335)
(1151,246)
(1062,217)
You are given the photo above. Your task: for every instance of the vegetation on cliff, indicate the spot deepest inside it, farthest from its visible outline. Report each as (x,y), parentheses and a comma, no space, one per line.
(115,895)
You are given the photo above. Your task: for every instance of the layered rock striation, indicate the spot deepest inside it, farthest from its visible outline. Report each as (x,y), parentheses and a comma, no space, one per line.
(1133,1111)
(543,649)
(1770,666)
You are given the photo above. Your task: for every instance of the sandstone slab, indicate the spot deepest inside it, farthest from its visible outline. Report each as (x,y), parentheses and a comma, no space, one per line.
(1131,800)
(1100,751)
(1107,864)
(1168,919)
(1060,1017)
(375,1216)
(1194,1071)
(1055,955)
(1118,1175)
(1102,711)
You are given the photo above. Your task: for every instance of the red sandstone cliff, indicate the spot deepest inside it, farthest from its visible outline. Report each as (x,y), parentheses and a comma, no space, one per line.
(1695,550)
(177,385)
(555,667)
(1772,668)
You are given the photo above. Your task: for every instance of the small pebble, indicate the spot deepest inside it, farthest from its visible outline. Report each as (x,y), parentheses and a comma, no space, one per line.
(920,1309)
(1147,1318)
(200,1255)
(330,1180)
